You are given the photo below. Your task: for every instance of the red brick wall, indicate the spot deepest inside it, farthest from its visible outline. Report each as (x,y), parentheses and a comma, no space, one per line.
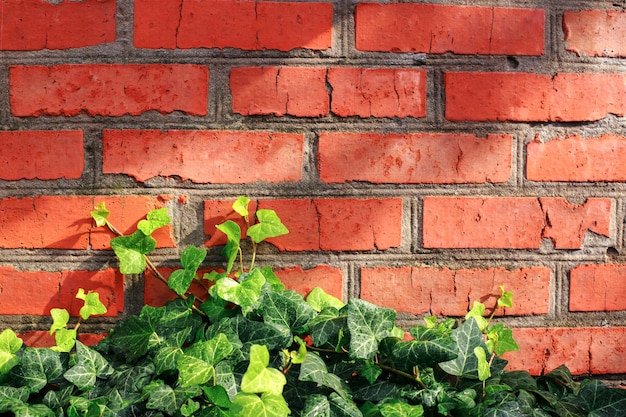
(421,155)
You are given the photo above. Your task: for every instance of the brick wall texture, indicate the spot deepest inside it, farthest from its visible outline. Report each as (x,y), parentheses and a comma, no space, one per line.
(421,153)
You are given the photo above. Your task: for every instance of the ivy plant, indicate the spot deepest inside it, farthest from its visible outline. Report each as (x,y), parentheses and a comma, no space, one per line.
(250,347)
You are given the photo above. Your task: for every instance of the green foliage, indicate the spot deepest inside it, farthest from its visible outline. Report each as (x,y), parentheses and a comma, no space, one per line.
(253,348)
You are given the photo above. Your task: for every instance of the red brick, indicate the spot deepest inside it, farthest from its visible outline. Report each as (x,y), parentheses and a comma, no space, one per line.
(242,24)
(108,90)
(443,291)
(414,158)
(321,224)
(438,29)
(44,155)
(198,155)
(64,222)
(481,96)
(597,288)
(156,293)
(583,350)
(294,91)
(595,32)
(126,212)
(511,222)
(301,280)
(43,339)
(577,160)
(35,24)
(36,292)
(378,92)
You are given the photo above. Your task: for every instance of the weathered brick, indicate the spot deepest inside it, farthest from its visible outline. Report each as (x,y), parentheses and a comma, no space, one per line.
(302,280)
(378,92)
(244,24)
(43,338)
(516,96)
(414,158)
(294,91)
(511,222)
(596,287)
(438,29)
(36,292)
(204,156)
(322,224)
(34,24)
(583,350)
(577,159)
(595,32)
(108,89)
(43,154)
(443,291)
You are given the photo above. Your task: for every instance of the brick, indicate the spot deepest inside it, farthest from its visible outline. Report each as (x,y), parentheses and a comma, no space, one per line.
(108,89)
(64,222)
(294,91)
(301,280)
(204,156)
(583,350)
(443,291)
(29,25)
(43,339)
(511,222)
(439,29)
(576,159)
(597,288)
(566,97)
(414,158)
(36,292)
(595,32)
(243,24)
(44,155)
(378,92)
(157,293)
(321,224)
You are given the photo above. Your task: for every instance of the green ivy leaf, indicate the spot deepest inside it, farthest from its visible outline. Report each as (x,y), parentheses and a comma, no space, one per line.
(38,368)
(217,394)
(397,408)
(233,235)
(93,306)
(600,401)
(500,340)
(314,369)
(245,292)
(193,371)
(130,251)
(298,356)
(287,309)
(483,366)
(10,396)
(269,226)
(368,325)
(370,371)
(192,257)
(189,408)
(100,214)
(272,279)
(89,366)
(251,405)
(9,345)
(155,219)
(429,352)
(180,280)
(467,337)
(318,299)
(241,207)
(60,318)
(326,328)
(259,378)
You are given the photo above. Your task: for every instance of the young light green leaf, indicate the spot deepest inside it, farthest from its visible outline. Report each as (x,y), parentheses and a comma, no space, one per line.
(100,214)
(500,339)
(298,356)
(251,405)
(189,408)
(505,299)
(130,251)
(245,292)
(397,408)
(180,280)
(193,371)
(155,219)
(483,365)
(192,257)
(241,207)
(233,234)
(318,299)
(478,313)
(65,340)
(9,345)
(259,378)
(269,226)
(60,318)
(93,306)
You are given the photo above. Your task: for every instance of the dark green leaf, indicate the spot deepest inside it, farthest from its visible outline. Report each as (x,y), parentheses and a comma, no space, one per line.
(600,401)
(368,325)
(38,367)
(467,337)
(429,352)
(287,309)
(180,280)
(314,369)
(89,366)
(316,405)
